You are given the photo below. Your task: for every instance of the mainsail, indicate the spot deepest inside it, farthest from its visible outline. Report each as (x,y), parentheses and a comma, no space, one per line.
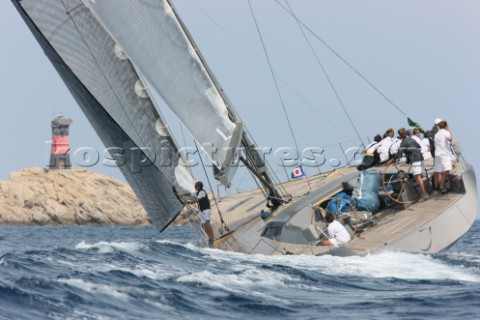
(154,38)
(110,93)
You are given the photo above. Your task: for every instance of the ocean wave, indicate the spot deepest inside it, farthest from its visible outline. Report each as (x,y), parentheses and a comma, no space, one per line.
(95,288)
(109,247)
(250,282)
(121,273)
(398,265)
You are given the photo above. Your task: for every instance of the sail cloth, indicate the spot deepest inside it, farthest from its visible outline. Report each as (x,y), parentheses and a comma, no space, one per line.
(83,53)
(154,39)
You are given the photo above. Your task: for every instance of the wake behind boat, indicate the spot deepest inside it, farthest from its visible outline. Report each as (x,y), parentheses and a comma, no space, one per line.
(108,51)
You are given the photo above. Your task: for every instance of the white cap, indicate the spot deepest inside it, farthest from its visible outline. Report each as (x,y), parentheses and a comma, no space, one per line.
(437,121)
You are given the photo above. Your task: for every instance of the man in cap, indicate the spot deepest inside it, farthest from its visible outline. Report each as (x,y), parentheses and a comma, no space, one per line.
(435,127)
(443,155)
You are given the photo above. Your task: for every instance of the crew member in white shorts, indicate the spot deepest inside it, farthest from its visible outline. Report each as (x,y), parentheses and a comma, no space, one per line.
(337,233)
(443,155)
(201,198)
(412,150)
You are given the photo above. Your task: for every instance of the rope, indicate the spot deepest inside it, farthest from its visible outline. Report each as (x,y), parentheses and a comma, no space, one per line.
(343,60)
(274,78)
(324,71)
(210,185)
(322,116)
(197,229)
(185,145)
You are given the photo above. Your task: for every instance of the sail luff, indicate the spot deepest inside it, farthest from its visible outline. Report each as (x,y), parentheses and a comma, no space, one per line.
(233,115)
(159,46)
(254,157)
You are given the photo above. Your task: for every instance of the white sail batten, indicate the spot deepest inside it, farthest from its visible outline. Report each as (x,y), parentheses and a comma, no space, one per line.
(152,36)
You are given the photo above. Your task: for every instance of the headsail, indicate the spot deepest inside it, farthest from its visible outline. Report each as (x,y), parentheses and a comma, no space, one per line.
(104,85)
(159,46)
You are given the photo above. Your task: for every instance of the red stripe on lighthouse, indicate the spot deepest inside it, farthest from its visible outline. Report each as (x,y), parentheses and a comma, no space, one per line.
(60,145)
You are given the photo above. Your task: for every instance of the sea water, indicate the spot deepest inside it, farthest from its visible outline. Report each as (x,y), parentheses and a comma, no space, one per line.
(138,273)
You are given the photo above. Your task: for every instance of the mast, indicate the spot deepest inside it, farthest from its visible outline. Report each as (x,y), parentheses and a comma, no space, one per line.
(253,158)
(158,43)
(161,49)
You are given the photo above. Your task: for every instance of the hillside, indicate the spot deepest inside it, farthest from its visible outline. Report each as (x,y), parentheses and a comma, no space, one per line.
(36,196)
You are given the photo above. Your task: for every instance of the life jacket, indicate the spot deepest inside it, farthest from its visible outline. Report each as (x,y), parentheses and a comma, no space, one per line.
(431,139)
(432,146)
(370,157)
(203,203)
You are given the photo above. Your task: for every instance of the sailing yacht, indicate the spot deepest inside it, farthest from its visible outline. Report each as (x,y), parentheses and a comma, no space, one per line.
(107,52)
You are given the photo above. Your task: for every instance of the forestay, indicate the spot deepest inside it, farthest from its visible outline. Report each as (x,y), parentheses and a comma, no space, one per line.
(104,86)
(158,45)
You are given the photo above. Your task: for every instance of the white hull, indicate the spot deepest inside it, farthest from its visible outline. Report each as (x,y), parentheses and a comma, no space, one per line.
(444,228)
(427,227)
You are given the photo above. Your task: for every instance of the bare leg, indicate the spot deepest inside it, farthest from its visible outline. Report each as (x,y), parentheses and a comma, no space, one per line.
(208,229)
(418,177)
(441,183)
(436,178)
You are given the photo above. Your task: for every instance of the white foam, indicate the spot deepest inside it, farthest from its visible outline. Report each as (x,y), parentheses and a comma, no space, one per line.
(188,245)
(465,256)
(77,314)
(384,265)
(164,241)
(250,281)
(95,288)
(153,272)
(398,265)
(108,247)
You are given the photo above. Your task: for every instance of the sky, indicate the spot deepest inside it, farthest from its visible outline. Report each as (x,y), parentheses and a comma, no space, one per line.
(423,55)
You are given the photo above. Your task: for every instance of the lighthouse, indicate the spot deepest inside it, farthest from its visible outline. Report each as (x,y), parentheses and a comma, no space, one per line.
(60,152)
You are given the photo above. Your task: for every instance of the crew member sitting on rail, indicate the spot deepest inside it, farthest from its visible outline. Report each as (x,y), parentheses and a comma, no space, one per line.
(385,144)
(371,156)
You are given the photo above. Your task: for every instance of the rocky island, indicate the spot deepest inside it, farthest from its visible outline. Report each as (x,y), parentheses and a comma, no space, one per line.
(37,196)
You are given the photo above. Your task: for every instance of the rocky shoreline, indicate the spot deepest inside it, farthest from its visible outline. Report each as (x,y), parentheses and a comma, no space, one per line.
(37,196)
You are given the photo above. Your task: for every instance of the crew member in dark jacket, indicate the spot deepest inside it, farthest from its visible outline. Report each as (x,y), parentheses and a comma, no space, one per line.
(200,197)
(412,150)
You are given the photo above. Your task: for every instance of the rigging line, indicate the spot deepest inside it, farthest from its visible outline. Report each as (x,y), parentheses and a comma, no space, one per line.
(257,183)
(242,178)
(123,107)
(196,226)
(170,137)
(278,181)
(324,70)
(323,117)
(185,145)
(274,78)
(210,185)
(344,61)
(274,176)
(183,134)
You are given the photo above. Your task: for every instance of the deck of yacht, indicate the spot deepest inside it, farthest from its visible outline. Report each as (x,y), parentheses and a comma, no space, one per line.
(241,212)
